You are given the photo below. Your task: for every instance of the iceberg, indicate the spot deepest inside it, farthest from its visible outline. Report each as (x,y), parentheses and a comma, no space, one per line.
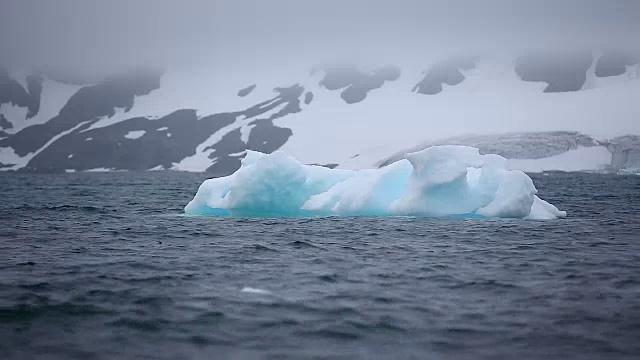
(440,181)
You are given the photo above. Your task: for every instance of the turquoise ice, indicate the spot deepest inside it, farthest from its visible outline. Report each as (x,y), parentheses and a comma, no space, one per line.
(439,181)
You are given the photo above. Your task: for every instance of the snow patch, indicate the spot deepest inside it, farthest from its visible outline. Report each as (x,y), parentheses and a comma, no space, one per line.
(104,121)
(16,115)
(492,99)
(8,156)
(211,89)
(240,153)
(594,82)
(245,131)
(99,170)
(580,159)
(53,98)
(134,134)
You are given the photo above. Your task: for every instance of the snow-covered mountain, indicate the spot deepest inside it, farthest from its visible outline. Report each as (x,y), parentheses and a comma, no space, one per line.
(571,111)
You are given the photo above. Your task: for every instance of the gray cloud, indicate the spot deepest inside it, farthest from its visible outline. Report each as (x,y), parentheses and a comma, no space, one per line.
(91,35)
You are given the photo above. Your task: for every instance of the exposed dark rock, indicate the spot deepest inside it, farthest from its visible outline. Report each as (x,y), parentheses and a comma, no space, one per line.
(308,97)
(290,96)
(267,138)
(170,139)
(229,151)
(13,93)
(329,166)
(108,147)
(445,72)
(563,72)
(4,123)
(88,104)
(615,62)
(34,88)
(115,92)
(625,152)
(246,91)
(227,154)
(357,84)
(264,136)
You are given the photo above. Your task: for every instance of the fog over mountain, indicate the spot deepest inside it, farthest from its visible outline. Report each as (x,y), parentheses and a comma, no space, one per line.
(96,34)
(192,85)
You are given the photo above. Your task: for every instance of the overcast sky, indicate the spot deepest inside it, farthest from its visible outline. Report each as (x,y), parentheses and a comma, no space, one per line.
(111,33)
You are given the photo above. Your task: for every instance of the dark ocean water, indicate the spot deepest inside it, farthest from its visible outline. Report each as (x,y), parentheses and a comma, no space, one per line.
(104,266)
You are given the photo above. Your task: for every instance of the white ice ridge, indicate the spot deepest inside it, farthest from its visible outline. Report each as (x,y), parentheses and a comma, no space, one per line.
(439,181)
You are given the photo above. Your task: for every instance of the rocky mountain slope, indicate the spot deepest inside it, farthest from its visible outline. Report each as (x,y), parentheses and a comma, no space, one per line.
(336,115)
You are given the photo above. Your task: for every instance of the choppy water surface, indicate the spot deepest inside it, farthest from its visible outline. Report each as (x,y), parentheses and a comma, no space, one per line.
(103,266)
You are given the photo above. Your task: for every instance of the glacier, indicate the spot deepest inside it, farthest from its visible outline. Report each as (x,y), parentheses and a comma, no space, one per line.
(440,181)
